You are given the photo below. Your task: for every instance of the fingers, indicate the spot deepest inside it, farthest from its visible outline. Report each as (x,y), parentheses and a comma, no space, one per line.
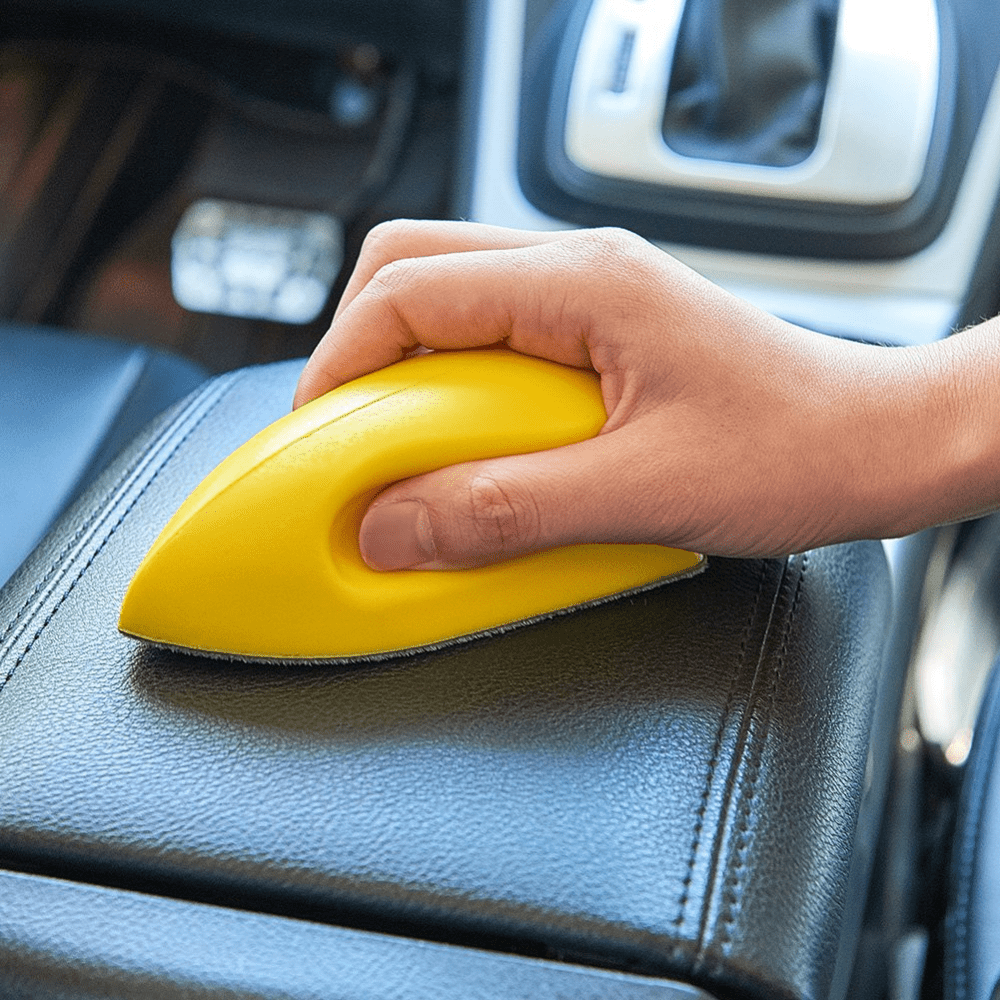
(473,286)
(482,512)
(339,358)
(403,239)
(711,443)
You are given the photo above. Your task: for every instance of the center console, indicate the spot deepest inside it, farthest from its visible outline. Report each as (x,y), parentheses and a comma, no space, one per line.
(837,165)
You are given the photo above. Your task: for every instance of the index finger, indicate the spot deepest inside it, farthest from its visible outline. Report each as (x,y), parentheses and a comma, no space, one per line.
(423,284)
(403,239)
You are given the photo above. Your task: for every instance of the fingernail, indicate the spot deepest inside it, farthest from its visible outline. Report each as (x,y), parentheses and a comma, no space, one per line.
(397,535)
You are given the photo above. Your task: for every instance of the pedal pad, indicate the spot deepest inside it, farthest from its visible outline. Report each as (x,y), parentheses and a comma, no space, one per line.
(255,261)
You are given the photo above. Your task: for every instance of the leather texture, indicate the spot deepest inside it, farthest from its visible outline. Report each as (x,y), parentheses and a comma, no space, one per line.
(668,784)
(972,948)
(748,79)
(68,404)
(59,940)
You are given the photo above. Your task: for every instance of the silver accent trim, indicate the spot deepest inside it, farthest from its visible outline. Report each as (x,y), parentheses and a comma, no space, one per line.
(874,132)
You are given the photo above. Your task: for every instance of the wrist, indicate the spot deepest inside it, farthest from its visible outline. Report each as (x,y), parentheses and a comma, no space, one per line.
(938,426)
(968,484)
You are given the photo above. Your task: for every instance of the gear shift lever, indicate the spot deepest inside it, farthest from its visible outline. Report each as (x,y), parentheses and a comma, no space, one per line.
(748,79)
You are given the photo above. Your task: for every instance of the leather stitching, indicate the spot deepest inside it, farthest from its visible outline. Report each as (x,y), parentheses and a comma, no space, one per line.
(96,513)
(713,761)
(733,887)
(108,502)
(959,922)
(971,838)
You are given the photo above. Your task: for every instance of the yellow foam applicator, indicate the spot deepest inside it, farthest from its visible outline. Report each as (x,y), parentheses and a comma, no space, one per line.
(261,562)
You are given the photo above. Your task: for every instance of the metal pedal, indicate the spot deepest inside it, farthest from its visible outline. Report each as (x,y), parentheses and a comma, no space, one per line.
(255,261)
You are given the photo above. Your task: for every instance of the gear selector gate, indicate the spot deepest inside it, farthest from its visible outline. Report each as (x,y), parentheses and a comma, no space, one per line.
(811,127)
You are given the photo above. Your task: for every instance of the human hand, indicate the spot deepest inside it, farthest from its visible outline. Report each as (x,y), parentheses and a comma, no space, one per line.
(729,432)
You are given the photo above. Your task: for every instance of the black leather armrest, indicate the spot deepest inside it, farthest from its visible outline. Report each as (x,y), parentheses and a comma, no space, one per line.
(668,784)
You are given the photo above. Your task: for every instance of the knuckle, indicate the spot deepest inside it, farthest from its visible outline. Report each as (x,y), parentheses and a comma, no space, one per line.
(386,242)
(390,278)
(615,244)
(381,238)
(623,269)
(504,519)
(626,260)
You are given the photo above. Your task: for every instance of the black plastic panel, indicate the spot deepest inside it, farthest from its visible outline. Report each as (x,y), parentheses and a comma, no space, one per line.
(429,30)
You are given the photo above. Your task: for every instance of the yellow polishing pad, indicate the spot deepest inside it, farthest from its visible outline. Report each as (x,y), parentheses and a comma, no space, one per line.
(262,561)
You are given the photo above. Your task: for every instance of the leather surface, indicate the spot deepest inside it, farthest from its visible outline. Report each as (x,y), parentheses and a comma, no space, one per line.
(748,79)
(68,404)
(669,783)
(58,939)
(972,950)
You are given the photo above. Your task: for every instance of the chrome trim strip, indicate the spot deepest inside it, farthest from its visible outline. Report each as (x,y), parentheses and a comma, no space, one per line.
(874,133)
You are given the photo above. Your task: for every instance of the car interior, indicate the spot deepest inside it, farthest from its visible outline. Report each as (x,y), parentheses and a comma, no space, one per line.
(773,779)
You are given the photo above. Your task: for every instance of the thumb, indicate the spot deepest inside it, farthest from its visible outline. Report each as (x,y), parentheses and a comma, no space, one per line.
(486,511)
